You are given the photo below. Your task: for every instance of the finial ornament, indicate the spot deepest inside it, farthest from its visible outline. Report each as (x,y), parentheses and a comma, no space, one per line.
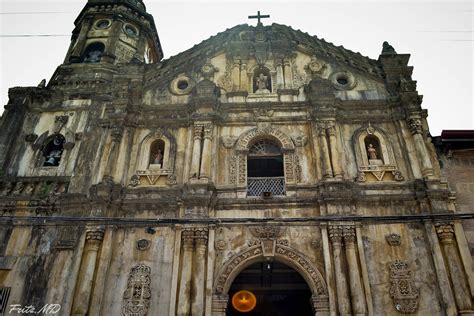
(388,49)
(258,16)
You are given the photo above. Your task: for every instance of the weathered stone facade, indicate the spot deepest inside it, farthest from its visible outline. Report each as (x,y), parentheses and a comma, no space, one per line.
(127,185)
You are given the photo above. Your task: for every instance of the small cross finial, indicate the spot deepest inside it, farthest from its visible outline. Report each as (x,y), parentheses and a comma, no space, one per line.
(258,16)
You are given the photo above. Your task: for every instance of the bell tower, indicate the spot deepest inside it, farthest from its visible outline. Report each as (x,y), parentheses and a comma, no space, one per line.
(114,31)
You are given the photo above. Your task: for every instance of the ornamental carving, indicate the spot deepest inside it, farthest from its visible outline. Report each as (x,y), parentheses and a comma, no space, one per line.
(314,66)
(445,231)
(220,245)
(300,140)
(232,169)
(267,232)
(414,125)
(143,244)
(225,82)
(228,141)
(136,298)
(244,140)
(402,290)
(393,239)
(59,122)
(208,69)
(292,168)
(303,264)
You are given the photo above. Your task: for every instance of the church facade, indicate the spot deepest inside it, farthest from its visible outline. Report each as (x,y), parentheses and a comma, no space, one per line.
(262,159)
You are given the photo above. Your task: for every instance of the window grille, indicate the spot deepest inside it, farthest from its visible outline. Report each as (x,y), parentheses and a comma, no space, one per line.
(4,295)
(256,186)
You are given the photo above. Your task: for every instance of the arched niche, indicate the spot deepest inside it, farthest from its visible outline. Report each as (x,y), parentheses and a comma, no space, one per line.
(283,254)
(374,156)
(93,52)
(159,139)
(375,136)
(238,166)
(262,82)
(52,151)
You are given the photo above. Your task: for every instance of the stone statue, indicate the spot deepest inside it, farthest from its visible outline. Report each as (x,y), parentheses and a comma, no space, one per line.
(262,84)
(372,152)
(158,158)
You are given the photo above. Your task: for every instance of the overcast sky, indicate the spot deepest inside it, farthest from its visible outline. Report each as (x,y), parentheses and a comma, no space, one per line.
(438,35)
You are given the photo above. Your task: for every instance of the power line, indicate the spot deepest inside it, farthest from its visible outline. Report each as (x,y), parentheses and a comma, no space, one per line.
(52,12)
(35,35)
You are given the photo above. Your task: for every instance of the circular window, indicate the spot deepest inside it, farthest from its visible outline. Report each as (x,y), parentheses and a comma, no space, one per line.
(182,84)
(343,80)
(102,24)
(130,30)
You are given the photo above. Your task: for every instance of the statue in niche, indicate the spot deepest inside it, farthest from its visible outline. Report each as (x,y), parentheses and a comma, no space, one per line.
(262,84)
(372,152)
(158,158)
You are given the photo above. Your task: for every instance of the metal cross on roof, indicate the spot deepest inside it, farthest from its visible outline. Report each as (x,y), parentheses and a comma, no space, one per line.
(258,16)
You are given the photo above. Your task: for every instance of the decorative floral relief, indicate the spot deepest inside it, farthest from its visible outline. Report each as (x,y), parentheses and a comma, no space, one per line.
(136,298)
(402,290)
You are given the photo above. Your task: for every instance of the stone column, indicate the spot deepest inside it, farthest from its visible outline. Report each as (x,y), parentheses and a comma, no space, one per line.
(111,46)
(236,75)
(335,159)
(243,77)
(199,271)
(196,158)
(279,74)
(184,294)
(462,296)
(219,305)
(335,235)
(116,133)
(414,124)
(206,152)
(357,292)
(326,161)
(85,277)
(288,74)
(81,40)
(320,305)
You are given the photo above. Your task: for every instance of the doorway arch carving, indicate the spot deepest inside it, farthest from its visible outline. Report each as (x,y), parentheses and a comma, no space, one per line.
(284,254)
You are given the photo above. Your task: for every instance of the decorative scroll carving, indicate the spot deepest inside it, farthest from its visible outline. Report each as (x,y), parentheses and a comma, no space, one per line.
(311,271)
(242,169)
(220,245)
(314,66)
(136,298)
(402,290)
(135,181)
(232,264)
(267,232)
(225,81)
(393,239)
(233,169)
(208,69)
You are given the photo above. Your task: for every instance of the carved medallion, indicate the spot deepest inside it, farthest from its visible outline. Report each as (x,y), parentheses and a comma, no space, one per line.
(143,244)
(393,239)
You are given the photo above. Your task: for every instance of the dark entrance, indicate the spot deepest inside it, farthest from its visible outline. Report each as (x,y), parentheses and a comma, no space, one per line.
(279,289)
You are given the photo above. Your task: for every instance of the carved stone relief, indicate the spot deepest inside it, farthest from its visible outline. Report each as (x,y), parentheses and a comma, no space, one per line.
(143,244)
(393,239)
(136,298)
(402,290)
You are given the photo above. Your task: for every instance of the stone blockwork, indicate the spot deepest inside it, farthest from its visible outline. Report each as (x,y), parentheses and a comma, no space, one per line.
(133,185)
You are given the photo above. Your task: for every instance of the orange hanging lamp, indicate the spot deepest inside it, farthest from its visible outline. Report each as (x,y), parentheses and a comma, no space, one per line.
(244,301)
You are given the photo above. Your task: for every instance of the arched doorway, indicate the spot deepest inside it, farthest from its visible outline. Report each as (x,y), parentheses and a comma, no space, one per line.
(279,289)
